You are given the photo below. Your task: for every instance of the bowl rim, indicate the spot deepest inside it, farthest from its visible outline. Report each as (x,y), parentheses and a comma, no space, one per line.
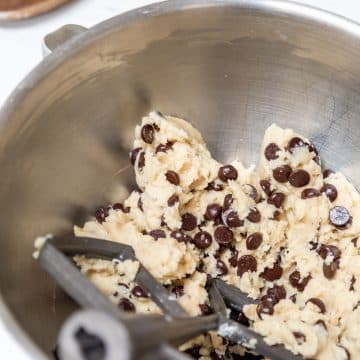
(52,61)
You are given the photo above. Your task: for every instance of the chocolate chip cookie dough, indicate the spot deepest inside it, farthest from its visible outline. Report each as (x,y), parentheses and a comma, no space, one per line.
(285,233)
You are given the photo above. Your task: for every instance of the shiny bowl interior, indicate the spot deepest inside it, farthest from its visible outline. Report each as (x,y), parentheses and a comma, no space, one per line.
(230,67)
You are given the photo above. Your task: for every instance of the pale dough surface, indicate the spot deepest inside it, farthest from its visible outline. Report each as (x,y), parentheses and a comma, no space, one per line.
(292,235)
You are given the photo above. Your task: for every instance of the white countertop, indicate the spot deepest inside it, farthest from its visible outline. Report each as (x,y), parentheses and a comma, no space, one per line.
(21,51)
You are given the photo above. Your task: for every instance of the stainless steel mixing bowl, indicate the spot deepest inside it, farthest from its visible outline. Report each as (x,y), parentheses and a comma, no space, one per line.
(231,67)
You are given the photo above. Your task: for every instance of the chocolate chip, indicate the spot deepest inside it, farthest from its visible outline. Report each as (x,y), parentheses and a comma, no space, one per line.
(281,251)
(178,290)
(231,219)
(216,187)
(312,148)
(281,173)
(265,307)
(309,193)
(354,241)
(233,260)
(133,155)
(277,293)
(295,279)
(164,147)
(223,235)
(329,270)
(339,216)
(352,282)
(157,234)
(299,337)
(296,282)
(123,284)
(202,240)
(126,305)
(215,356)
(101,214)
(269,299)
(330,191)
(299,178)
(254,240)
(221,266)
(321,323)
(228,200)
(250,191)
(327,173)
(140,204)
(218,253)
(266,187)
(271,151)
(272,274)
(163,222)
(317,159)
(188,222)
(213,211)
(276,199)
(180,236)
(329,250)
(356,306)
(294,143)
(172,177)
(227,172)
(147,133)
(293,298)
(246,263)
(172,200)
(254,215)
(325,250)
(205,309)
(276,215)
(138,291)
(121,207)
(319,303)
(141,161)
(194,352)
(200,267)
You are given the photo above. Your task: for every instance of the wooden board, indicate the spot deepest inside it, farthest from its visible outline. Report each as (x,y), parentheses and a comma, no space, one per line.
(22,9)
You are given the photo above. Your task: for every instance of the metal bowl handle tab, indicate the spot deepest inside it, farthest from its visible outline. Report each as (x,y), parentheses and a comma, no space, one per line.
(58,37)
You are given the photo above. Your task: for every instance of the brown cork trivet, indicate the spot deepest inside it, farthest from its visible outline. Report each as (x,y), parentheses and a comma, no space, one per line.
(21,9)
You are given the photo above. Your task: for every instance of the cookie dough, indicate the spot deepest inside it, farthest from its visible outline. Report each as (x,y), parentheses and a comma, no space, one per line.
(286,233)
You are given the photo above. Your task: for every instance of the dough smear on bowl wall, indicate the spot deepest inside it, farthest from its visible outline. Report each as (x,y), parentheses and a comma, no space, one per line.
(285,233)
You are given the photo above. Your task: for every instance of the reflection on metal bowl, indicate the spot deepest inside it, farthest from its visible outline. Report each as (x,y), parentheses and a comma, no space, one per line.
(230,67)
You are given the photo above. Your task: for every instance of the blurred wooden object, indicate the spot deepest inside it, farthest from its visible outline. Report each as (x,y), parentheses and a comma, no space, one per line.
(22,9)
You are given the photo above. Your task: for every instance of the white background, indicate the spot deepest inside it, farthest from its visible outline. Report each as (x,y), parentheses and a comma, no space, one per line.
(20,52)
